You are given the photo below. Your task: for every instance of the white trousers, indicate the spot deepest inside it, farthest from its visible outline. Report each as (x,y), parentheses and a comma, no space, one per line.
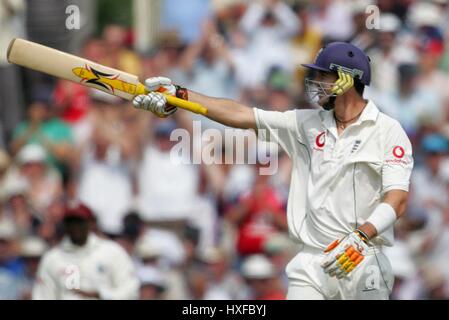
(372,279)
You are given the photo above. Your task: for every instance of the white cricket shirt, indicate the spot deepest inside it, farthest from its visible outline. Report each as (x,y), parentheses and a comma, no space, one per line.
(337,182)
(100,265)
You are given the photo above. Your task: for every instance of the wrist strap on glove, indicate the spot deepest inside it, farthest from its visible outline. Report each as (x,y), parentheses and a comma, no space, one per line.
(181,93)
(362,235)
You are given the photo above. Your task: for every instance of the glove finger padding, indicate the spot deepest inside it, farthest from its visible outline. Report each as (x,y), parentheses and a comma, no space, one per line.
(161,84)
(344,255)
(154,102)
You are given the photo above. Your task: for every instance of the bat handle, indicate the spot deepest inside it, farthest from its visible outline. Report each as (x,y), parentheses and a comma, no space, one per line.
(187,105)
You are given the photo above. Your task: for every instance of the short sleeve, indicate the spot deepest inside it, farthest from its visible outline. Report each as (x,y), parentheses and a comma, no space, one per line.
(279,127)
(398,160)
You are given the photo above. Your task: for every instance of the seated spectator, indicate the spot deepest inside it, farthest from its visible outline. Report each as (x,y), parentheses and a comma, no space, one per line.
(429,188)
(42,182)
(411,105)
(168,183)
(17,208)
(31,251)
(118,56)
(11,268)
(105,181)
(258,214)
(223,283)
(152,284)
(43,128)
(262,279)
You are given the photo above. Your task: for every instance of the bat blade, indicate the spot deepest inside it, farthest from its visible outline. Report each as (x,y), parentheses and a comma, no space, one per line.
(88,73)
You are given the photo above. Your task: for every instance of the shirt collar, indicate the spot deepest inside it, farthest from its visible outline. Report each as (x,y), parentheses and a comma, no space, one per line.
(370,113)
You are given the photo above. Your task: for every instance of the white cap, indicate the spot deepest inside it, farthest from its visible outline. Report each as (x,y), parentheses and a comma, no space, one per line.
(33,247)
(389,22)
(151,276)
(13,187)
(257,267)
(31,153)
(8,229)
(146,248)
(424,14)
(212,255)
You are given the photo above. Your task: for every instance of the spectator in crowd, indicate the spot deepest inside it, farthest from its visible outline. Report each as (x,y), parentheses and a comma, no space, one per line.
(362,36)
(43,128)
(410,104)
(105,180)
(387,55)
(206,64)
(152,284)
(262,279)
(429,186)
(11,268)
(224,283)
(71,270)
(31,250)
(118,56)
(35,179)
(431,77)
(11,101)
(155,256)
(16,207)
(269,26)
(333,18)
(258,214)
(186,18)
(306,43)
(161,200)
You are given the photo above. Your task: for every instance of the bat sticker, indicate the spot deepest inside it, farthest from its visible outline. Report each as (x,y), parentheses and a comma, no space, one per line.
(107,81)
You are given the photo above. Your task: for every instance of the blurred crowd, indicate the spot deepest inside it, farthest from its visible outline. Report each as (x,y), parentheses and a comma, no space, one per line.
(210,231)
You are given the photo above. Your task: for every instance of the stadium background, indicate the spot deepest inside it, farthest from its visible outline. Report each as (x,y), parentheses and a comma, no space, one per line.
(208,231)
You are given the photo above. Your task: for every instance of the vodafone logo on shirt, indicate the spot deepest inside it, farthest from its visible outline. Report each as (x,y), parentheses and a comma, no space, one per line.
(398,155)
(320,141)
(398,152)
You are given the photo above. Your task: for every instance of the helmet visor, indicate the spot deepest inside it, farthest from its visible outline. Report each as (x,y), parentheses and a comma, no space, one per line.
(318,92)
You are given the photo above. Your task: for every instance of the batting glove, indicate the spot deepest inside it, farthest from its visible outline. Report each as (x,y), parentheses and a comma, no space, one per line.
(344,255)
(154,102)
(160,84)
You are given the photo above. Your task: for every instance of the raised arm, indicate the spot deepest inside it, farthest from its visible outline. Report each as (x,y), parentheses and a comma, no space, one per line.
(224,111)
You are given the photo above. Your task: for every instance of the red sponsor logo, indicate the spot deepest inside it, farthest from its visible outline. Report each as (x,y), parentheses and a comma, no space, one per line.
(320,140)
(398,152)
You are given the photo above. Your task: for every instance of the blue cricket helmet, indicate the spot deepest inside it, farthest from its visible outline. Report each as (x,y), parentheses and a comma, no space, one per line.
(346,56)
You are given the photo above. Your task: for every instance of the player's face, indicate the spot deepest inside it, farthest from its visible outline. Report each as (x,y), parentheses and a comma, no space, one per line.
(77,229)
(319,87)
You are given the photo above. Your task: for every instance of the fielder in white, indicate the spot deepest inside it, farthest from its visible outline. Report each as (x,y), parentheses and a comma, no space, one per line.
(350,178)
(84,266)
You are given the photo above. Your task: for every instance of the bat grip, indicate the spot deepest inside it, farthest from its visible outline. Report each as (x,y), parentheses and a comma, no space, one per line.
(187,105)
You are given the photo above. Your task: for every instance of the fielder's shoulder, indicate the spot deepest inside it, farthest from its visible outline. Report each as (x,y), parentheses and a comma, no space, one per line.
(111,246)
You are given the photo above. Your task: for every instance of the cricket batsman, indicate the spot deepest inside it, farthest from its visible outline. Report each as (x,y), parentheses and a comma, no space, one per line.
(350,176)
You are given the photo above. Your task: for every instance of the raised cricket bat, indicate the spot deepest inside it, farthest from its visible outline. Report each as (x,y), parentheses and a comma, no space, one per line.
(88,73)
